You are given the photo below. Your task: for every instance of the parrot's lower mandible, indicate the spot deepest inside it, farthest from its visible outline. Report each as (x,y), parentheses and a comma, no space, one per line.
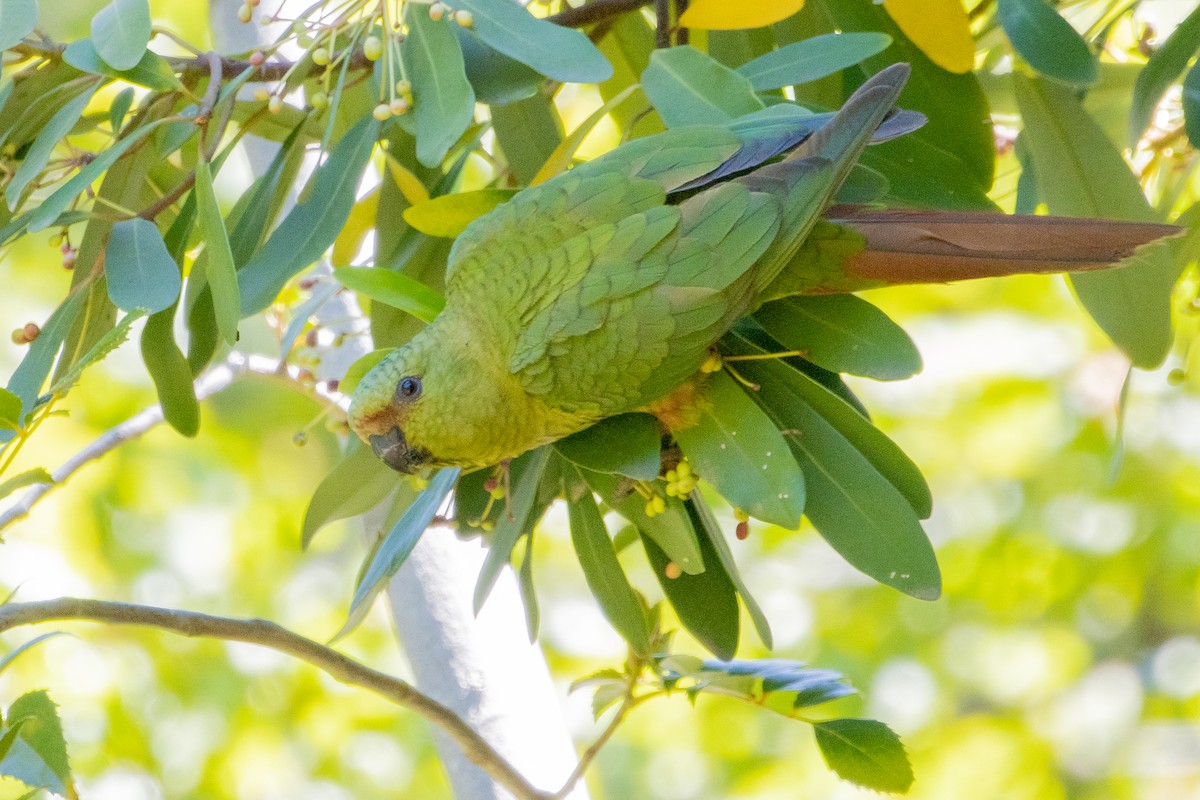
(604,289)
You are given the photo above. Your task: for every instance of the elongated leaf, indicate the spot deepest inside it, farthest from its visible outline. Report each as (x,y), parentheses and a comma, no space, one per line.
(737,449)
(1166,64)
(169,370)
(1191,104)
(601,568)
(398,545)
(1091,179)
(119,108)
(528,132)
(671,530)
(865,752)
(1047,41)
(443,101)
(355,485)
(43,146)
(812,59)
(121,31)
(311,227)
(842,333)
(687,87)
(724,15)
(627,444)
(220,271)
(707,526)
(18,18)
(939,27)
(27,478)
(10,410)
(557,52)
(560,158)
(140,271)
(38,757)
(151,70)
(27,379)
(526,474)
(394,289)
(450,214)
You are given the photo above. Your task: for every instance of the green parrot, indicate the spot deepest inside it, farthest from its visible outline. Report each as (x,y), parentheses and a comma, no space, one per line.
(604,289)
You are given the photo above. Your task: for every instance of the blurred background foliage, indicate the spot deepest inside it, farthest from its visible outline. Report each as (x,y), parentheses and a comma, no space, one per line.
(1062,661)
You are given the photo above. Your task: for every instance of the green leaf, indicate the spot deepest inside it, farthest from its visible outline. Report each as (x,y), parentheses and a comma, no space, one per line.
(16,653)
(103,346)
(1166,64)
(121,31)
(354,486)
(450,214)
(169,370)
(119,108)
(687,87)
(737,449)
(706,603)
(140,271)
(526,473)
(528,132)
(671,530)
(26,381)
(398,545)
(10,410)
(152,70)
(18,18)
(43,146)
(601,568)
(1191,104)
(812,59)
(557,52)
(496,79)
(27,478)
(219,268)
(1048,42)
(865,752)
(443,101)
(707,526)
(627,444)
(311,227)
(38,757)
(922,173)
(394,289)
(1091,179)
(842,333)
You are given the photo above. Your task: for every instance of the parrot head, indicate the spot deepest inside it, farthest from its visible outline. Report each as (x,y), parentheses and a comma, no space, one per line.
(390,400)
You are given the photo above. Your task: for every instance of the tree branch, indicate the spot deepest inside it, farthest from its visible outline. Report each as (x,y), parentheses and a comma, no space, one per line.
(268,634)
(598,11)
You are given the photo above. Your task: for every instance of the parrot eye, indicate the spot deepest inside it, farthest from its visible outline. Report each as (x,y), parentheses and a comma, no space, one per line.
(409,388)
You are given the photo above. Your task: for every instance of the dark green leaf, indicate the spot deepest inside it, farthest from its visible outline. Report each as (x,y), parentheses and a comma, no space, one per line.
(1165,65)
(43,146)
(140,271)
(601,568)
(1091,179)
(311,227)
(38,757)
(119,108)
(355,485)
(561,53)
(121,31)
(398,544)
(219,269)
(443,101)
(708,527)
(706,603)
(922,173)
(393,288)
(865,752)
(627,444)
(18,18)
(737,449)
(1191,104)
(687,87)
(497,79)
(10,410)
(671,530)
(1047,41)
(842,333)
(27,478)
(812,59)
(526,474)
(151,70)
(169,370)
(528,131)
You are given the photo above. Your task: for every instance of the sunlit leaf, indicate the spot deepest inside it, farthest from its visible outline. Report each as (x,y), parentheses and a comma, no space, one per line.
(688,87)
(939,27)
(220,270)
(1047,41)
(865,752)
(38,756)
(151,70)
(671,530)
(450,214)
(121,31)
(18,18)
(812,59)
(724,15)
(443,101)
(1191,104)
(394,289)
(43,146)
(560,158)
(360,223)
(355,485)
(10,410)
(627,444)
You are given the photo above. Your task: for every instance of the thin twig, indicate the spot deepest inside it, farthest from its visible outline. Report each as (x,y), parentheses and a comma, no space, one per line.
(585,760)
(270,635)
(662,24)
(598,11)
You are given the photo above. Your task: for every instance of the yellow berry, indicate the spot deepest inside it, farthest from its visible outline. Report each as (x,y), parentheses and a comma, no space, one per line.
(660,505)
(275,104)
(18,336)
(650,512)
(300,439)
(261,94)
(673,570)
(488,525)
(740,516)
(56,240)
(417,483)
(398,106)
(497,493)
(320,56)
(672,489)
(373,48)
(245,13)
(684,469)
(382,112)
(319,100)
(464,18)
(403,87)
(436,11)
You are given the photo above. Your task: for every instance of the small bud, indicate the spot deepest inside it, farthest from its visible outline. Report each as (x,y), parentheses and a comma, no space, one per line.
(403,87)
(68,259)
(312,338)
(304,40)
(497,493)
(740,516)
(253,3)
(490,484)
(464,18)
(332,384)
(672,570)
(261,94)
(1176,377)
(319,100)
(300,439)
(473,523)
(299,27)
(306,378)
(307,284)
(382,112)
(245,14)
(320,56)
(373,48)
(57,240)
(436,11)
(18,336)
(743,530)
(488,526)
(257,58)
(398,106)
(31,331)
(275,104)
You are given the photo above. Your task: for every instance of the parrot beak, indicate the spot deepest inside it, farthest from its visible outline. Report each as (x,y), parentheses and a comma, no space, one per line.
(393,450)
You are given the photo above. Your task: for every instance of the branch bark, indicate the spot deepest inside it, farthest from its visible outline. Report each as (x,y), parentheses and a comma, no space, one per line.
(268,634)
